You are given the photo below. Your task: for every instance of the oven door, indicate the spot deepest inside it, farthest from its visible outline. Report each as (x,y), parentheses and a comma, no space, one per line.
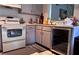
(10,33)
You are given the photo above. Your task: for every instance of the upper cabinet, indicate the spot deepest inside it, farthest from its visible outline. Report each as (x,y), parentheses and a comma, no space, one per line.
(32,8)
(37,9)
(12,5)
(10,10)
(26,8)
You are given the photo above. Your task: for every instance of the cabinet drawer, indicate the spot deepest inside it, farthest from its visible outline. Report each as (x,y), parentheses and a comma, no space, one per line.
(26,8)
(46,28)
(30,27)
(38,27)
(13,45)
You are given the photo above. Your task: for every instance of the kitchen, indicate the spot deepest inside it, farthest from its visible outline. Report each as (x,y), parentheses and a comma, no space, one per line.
(20,28)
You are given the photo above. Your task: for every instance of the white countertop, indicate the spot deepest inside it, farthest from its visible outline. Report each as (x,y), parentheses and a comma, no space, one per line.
(49,25)
(69,26)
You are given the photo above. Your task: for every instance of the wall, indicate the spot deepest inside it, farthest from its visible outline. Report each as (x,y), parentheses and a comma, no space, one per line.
(76,10)
(26,17)
(45,11)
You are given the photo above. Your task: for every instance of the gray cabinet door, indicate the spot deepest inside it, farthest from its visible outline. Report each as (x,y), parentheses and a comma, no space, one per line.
(46,41)
(38,36)
(32,8)
(30,39)
(37,9)
(26,8)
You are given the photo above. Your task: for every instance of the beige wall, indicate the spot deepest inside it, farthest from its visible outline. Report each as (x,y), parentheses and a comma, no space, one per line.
(45,11)
(76,10)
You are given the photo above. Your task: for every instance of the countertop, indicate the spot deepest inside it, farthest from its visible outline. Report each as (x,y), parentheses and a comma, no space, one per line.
(48,25)
(67,26)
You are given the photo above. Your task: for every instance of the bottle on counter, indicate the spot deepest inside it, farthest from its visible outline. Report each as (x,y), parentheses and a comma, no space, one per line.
(45,21)
(41,19)
(21,21)
(38,20)
(30,21)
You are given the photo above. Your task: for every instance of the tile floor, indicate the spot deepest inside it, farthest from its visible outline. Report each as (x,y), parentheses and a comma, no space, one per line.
(29,50)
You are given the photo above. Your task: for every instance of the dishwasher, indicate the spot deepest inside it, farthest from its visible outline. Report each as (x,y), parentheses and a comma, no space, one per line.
(60,40)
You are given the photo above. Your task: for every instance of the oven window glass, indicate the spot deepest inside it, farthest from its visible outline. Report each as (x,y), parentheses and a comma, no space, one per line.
(14,32)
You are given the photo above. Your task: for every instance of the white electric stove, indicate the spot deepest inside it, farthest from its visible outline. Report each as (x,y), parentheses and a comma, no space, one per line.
(13,35)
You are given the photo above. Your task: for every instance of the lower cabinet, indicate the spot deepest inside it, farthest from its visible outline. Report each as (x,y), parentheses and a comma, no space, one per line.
(30,36)
(38,36)
(46,39)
